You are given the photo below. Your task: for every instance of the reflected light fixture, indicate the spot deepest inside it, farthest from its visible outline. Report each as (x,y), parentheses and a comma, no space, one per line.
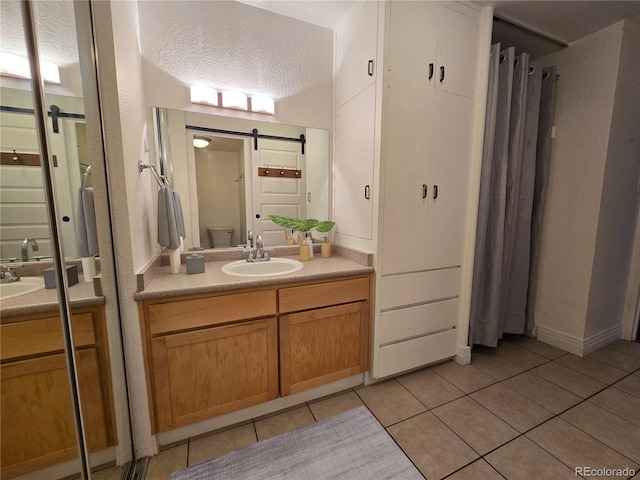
(231,99)
(262,105)
(200,142)
(15,66)
(204,95)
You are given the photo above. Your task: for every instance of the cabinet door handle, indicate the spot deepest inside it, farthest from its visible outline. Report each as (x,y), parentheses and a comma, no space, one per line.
(370,68)
(430,71)
(424,190)
(441,74)
(367,192)
(435,192)
(309,197)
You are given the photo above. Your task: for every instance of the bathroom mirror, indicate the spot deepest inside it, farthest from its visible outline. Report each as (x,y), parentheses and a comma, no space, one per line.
(223,195)
(22,203)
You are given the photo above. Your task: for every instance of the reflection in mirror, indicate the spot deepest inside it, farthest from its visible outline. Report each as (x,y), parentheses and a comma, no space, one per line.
(223,194)
(22,203)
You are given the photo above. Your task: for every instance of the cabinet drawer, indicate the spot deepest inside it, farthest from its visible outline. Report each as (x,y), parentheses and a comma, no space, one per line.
(323,294)
(201,312)
(416,352)
(397,325)
(419,287)
(35,337)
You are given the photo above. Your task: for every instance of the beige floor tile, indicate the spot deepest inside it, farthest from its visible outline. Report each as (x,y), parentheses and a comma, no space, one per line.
(390,402)
(628,348)
(593,368)
(613,431)
(329,407)
(476,425)
(543,392)
(478,470)
(495,367)
(522,459)
(431,446)
(111,473)
(616,359)
(213,446)
(535,346)
(569,379)
(430,388)
(575,448)
(166,462)
(622,404)
(283,422)
(630,385)
(519,356)
(519,412)
(466,377)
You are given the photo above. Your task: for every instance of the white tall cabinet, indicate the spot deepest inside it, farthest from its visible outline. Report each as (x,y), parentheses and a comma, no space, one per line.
(415,122)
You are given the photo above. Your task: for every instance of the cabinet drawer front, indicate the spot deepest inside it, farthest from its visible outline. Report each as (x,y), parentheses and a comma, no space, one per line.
(34,337)
(419,287)
(198,375)
(201,312)
(397,325)
(324,294)
(416,352)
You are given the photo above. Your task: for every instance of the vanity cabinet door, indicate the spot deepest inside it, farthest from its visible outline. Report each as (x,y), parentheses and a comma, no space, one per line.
(204,373)
(323,345)
(38,428)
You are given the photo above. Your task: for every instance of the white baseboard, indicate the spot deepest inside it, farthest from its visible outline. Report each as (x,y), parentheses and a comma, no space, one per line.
(463,355)
(576,345)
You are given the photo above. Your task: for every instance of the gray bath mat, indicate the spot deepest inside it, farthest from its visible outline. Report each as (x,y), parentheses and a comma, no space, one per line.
(349,446)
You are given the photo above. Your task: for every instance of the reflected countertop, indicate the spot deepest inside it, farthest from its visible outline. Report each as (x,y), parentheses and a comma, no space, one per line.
(82,294)
(166,284)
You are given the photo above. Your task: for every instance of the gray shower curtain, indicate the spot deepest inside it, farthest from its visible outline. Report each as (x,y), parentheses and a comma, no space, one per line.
(508,197)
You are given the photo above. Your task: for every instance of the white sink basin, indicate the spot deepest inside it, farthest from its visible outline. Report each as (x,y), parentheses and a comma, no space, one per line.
(24,286)
(272,268)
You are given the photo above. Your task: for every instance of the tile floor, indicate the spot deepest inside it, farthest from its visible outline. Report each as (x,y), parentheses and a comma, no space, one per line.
(525,410)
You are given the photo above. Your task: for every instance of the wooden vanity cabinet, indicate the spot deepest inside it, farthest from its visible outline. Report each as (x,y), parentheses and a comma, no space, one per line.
(326,336)
(212,354)
(38,427)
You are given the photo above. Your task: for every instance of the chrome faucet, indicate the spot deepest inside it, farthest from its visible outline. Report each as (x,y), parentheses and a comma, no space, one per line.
(25,248)
(259,254)
(250,238)
(7,274)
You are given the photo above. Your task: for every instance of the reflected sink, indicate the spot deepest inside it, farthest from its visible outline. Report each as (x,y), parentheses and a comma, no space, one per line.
(24,286)
(272,268)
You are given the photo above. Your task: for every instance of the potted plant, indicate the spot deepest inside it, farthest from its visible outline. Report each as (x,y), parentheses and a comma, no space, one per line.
(299,225)
(325,227)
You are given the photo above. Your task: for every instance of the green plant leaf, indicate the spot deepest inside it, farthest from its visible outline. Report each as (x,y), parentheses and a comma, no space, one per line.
(324,227)
(294,223)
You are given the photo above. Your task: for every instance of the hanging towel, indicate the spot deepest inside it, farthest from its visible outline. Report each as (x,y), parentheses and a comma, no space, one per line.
(177,206)
(170,219)
(86,233)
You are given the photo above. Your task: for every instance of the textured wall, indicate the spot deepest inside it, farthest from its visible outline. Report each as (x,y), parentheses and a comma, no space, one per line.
(229,45)
(620,200)
(584,104)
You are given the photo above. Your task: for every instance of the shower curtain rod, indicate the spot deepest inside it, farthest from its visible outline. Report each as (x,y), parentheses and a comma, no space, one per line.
(528,30)
(254,134)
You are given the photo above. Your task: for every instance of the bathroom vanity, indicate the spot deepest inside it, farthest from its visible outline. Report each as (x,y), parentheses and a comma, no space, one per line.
(214,344)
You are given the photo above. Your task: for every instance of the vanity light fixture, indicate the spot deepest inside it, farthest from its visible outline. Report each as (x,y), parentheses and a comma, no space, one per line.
(204,95)
(261,104)
(200,142)
(15,66)
(231,99)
